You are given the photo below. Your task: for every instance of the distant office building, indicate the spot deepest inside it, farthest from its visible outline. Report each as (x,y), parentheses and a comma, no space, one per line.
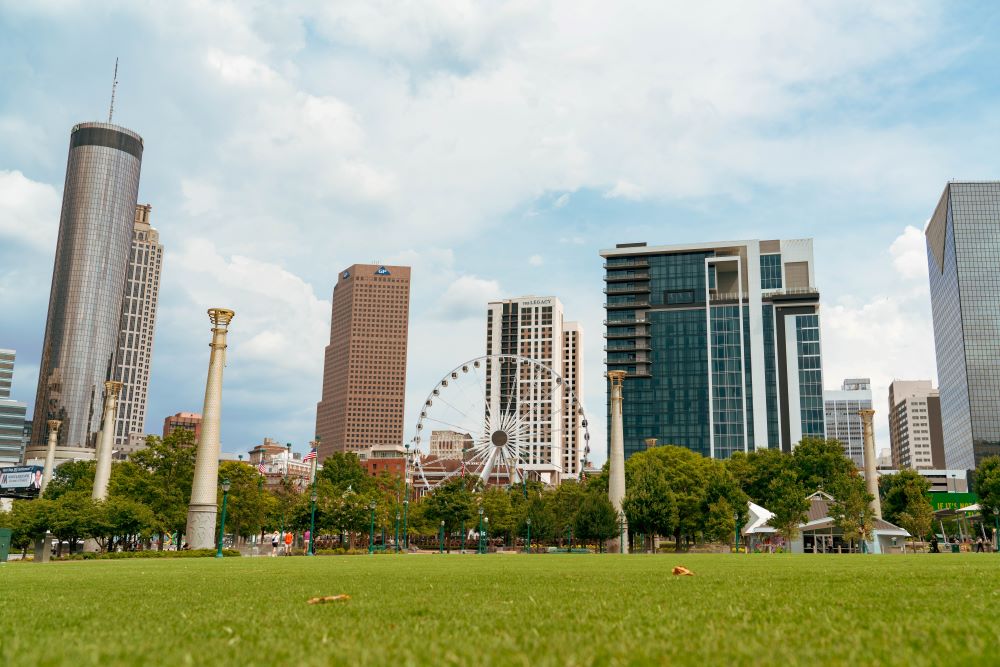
(447,444)
(533,327)
(135,338)
(963,253)
(720,341)
(843,416)
(88,283)
(188,421)
(941,481)
(11,414)
(280,463)
(916,436)
(364,371)
(574,445)
(6,372)
(386,460)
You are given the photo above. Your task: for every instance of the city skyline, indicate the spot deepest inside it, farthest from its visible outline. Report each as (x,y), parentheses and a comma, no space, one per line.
(347,176)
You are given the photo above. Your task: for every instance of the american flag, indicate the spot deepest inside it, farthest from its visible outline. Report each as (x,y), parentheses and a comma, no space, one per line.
(310,456)
(261,467)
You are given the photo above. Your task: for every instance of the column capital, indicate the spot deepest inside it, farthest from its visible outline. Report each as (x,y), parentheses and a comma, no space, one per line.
(221,317)
(113,387)
(616,377)
(54,424)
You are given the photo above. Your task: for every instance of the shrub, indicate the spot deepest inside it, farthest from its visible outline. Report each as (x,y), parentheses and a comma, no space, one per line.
(117,555)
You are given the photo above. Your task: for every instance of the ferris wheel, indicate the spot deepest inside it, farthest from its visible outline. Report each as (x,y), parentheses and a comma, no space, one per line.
(502,418)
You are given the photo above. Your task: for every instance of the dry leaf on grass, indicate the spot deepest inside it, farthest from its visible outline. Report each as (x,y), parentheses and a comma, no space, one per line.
(683,571)
(328,598)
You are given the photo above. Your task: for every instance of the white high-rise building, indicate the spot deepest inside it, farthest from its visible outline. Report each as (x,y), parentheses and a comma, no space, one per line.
(447,444)
(135,339)
(533,327)
(843,416)
(915,427)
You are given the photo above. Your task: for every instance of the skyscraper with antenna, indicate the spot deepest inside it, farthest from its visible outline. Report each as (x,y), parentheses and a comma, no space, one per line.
(88,285)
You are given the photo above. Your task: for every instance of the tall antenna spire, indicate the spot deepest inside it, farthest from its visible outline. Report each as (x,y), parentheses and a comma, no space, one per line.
(114,85)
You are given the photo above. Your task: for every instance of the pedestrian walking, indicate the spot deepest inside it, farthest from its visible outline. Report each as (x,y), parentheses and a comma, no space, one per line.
(979,545)
(274,544)
(288,544)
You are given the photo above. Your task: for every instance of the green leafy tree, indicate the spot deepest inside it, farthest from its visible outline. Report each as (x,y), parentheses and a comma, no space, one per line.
(499,507)
(720,521)
(73,517)
(754,472)
(121,522)
(166,489)
(851,509)
(565,503)
(454,503)
(344,470)
(821,464)
(247,505)
(71,477)
(596,519)
(789,504)
(649,503)
(987,487)
(686,474)
(905,502)
(544,524)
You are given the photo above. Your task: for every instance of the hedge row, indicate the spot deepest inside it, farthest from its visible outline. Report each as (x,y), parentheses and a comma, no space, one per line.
(115,555)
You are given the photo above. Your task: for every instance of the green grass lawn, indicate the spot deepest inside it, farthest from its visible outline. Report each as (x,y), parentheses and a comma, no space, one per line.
(506,609)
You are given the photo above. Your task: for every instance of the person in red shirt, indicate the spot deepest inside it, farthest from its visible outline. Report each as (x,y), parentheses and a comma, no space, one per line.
(288,544)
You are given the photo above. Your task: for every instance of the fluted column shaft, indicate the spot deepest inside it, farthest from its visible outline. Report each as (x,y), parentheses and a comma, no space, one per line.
(105,445)
(50,453)
(871,475)
(204,489)
(616,453)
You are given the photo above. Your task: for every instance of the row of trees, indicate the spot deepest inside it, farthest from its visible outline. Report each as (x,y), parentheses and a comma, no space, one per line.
(671,492)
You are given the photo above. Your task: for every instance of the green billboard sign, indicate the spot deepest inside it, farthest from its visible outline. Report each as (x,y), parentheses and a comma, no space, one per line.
(941,500)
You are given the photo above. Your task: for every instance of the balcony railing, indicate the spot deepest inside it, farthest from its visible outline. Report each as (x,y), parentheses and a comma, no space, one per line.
(620,276)
(627,304)
(627,289)
(626,263)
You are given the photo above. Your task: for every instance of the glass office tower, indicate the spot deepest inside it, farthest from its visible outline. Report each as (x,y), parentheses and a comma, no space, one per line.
(88,279)
(963,259)
(720,342)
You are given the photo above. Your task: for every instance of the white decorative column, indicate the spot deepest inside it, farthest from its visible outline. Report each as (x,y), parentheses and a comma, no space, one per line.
(50,454)
(200,531)
(105,445)
(871,476)
(616,451)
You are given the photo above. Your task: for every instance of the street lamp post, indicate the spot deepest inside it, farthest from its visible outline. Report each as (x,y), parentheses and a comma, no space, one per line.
(397,531)
(406,494)
(312,523)
(486,535)
(463,536)
(441,538)
(480,545)
(406,532)
(371,530)
(621,533)
(736,530)
(222,522)
(527,546)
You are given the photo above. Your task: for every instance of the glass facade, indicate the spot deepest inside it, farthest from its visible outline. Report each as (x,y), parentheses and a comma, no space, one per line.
(688,346)
(6,372)
(88,280)
(810,375)
(963,253)
(770,272)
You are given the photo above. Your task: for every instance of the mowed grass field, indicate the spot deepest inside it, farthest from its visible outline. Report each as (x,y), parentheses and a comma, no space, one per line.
(506,610)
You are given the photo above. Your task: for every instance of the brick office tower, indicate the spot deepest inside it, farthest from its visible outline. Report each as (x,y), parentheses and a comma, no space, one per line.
(364,372)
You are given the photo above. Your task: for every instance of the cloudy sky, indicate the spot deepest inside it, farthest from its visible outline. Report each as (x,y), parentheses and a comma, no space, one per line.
(495,147)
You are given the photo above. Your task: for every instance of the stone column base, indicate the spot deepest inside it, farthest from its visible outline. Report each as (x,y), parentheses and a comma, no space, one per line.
(613,547)
(200,531)
(43,547)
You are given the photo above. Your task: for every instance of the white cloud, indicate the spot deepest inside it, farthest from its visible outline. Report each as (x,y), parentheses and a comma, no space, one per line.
(909,253)
(536,260)
(886,336)
(29,211)
(561,200)
(624,190)
(467,297)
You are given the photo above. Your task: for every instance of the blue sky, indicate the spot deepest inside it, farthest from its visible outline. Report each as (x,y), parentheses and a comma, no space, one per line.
(496,148)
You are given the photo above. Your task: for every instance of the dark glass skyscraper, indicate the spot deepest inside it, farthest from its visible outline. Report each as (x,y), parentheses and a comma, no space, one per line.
(720,343)
(88,280)
(963,259)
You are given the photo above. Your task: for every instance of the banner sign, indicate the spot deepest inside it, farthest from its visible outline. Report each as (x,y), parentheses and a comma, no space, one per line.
(21,478)
(951,501)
